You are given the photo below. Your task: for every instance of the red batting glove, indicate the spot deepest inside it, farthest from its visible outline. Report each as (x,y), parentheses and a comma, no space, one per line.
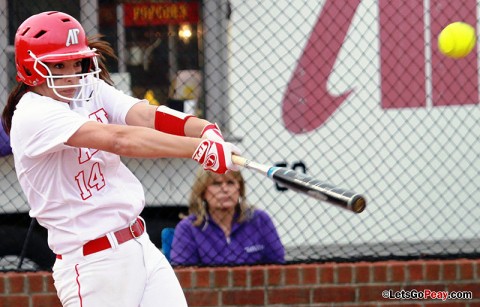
(212,132)
(216,156)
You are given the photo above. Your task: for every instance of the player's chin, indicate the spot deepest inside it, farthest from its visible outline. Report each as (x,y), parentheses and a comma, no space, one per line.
(66,95)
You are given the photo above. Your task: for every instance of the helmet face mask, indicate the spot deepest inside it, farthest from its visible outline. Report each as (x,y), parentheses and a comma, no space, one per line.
(52,37)
(88,78)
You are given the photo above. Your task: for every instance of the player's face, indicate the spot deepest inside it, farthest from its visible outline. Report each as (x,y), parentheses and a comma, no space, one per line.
(65,68)
(223,193)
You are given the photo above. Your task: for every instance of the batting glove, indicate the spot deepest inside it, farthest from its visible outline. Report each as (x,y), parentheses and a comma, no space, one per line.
(212,132)
(216,156)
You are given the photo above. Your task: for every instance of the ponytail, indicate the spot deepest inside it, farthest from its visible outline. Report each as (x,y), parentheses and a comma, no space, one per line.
(104,50)
(11,105)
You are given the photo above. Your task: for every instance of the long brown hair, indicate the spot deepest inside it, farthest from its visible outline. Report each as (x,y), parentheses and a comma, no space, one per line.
(96,41)
(197,203)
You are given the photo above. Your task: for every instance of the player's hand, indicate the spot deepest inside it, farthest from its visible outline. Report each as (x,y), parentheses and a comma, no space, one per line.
(216,156)
(212,132)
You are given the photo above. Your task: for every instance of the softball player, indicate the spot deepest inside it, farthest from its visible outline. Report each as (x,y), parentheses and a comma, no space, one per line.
(68,128)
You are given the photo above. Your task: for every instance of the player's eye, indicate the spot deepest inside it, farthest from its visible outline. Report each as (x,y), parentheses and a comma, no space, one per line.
(58,65)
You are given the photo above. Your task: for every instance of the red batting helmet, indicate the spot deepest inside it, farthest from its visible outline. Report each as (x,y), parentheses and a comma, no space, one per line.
(50,37)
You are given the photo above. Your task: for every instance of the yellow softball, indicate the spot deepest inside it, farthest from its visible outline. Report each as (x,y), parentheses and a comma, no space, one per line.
(457,40)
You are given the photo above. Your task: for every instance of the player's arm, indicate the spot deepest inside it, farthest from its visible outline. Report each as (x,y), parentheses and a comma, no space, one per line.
(143,142)
(132,141)
(171,121)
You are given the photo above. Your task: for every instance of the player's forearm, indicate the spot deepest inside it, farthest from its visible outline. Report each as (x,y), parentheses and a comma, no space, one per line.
(194,126)
(148,143)
(133,141)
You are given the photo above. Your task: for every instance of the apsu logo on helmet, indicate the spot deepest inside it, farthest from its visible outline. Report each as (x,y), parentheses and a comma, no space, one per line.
(72,38)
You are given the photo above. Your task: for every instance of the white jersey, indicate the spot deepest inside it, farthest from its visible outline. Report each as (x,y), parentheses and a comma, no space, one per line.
(78,194)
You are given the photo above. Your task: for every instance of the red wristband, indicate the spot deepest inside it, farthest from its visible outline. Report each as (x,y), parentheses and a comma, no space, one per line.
(170,121)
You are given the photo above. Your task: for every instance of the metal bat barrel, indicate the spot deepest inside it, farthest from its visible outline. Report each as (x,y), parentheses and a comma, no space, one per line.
(323,191)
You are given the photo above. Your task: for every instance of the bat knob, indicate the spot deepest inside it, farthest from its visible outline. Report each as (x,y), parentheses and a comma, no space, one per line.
(358,204)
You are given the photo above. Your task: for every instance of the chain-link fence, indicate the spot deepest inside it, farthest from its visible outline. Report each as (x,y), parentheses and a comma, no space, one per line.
(351,92)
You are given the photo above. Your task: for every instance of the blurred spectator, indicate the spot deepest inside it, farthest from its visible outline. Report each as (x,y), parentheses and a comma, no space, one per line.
(5,148)
(222,229)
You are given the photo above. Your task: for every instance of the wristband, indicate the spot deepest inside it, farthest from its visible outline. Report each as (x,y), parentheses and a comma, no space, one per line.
(170,121)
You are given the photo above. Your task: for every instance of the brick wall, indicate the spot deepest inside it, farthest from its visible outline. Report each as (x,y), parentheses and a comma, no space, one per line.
(328,284)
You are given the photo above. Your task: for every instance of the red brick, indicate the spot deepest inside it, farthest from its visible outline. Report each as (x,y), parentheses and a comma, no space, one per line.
(45,300)
(309,275)
(397,271)
(196,298)
(449,271)
(184,277)
(220,277)
(334,294)
(344,273)
(239,277)
(274,275)
(370,293)
(326,274)
(476,268)
(466,270)
(401,305)
(243,297)
(292,275)
(288,296)
(202,277)
(425,286)
(35,282)
(257,276)
(50,284)
(361,273)
(474,287)
(16,282)
(379,272)
(446,304)
(14,301)
(432,270)
(415,271)
(2,283)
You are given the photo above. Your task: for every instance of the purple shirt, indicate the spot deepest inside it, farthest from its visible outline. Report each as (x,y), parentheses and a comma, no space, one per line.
(254,241)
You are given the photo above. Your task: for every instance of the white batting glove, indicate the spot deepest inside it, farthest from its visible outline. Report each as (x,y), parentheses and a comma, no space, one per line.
(212,132)
(216,156)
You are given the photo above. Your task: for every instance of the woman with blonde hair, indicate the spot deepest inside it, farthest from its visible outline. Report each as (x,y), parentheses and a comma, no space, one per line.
(222,228)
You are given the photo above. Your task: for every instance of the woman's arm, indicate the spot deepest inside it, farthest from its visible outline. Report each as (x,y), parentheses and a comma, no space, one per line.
(143,114)
(133,141)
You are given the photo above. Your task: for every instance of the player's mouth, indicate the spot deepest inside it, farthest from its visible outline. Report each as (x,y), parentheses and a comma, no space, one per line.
(67,92)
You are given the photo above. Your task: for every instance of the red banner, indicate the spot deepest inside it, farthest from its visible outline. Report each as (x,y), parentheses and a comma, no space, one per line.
(152,14)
